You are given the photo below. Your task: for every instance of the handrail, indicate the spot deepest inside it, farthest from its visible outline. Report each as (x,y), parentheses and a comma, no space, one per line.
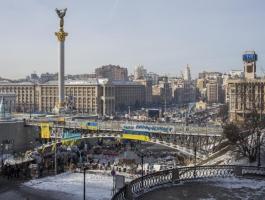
(144,184)
(117,126)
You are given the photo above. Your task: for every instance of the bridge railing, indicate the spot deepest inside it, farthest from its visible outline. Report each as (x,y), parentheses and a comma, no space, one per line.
(146,183)
(117,126)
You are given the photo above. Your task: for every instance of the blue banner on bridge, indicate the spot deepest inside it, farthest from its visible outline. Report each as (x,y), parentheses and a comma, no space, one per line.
(71,135)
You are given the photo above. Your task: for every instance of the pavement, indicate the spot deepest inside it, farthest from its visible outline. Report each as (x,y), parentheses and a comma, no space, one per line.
(208,190)
(14,190)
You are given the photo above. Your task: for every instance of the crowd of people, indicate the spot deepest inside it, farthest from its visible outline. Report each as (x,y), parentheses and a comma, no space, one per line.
(15,171)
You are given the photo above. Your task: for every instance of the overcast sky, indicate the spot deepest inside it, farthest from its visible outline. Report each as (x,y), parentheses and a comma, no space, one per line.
(162,35)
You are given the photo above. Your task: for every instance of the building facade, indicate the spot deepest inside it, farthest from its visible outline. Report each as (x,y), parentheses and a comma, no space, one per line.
(8,104)
(213,92)
(89,96)
(246,94)
(129,94)
(112,72)
(26,95)
(183,91)
(148,90)
(140,72)
(93,96)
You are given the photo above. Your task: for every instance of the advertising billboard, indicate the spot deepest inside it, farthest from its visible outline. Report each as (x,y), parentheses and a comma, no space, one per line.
(148,128)
(45,130)
(135,136)
(71,135)
(251,57)
(89,125)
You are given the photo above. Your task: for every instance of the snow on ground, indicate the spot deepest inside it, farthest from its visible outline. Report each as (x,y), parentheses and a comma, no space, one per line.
(211,189)
(236,183)
(98,186)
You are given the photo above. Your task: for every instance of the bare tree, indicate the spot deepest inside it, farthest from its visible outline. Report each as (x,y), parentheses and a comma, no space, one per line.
(246,136)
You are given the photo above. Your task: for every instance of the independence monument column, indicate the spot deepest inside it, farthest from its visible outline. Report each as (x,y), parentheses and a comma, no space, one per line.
(61,35)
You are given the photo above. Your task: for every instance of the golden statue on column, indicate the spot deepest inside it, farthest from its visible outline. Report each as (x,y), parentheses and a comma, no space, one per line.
(61,34)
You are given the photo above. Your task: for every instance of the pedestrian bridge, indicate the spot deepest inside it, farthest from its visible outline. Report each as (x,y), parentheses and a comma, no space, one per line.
(185,139)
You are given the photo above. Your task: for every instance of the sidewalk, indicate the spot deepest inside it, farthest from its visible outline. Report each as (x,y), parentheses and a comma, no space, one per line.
(14,190)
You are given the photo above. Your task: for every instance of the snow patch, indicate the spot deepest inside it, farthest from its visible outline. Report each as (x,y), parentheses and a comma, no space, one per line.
(98,187)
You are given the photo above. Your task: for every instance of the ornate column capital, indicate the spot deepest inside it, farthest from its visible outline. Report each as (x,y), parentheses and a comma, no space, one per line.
(61,35)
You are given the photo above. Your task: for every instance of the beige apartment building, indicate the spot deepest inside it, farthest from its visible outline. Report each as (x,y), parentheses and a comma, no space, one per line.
(246,94)
(89,96)
(213,92)
(112,72)
(93,96)
(26,95)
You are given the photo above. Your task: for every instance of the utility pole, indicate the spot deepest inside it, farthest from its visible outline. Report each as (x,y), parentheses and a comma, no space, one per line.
(258,134)
(2,160)
(165,97)
(84,189)
(195,160)
(55,159)
(30,110)
(142,162)
(258,149)
(55,153)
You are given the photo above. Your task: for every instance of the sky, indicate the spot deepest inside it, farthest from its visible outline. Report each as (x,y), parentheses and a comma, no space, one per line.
(162,35)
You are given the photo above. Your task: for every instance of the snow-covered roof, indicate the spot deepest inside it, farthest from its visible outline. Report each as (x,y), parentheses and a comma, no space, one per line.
(92,81)
(125,83)
(17,83)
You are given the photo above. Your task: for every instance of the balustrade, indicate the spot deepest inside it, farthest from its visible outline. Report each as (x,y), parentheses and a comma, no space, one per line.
(174,176)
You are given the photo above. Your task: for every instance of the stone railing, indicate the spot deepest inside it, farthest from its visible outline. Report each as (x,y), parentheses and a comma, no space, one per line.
(146,183)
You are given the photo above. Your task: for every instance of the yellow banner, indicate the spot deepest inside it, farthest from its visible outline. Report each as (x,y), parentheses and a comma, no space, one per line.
(45,130)
(136,137)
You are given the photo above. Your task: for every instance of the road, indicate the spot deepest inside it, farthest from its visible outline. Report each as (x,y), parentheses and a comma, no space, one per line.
(14,190)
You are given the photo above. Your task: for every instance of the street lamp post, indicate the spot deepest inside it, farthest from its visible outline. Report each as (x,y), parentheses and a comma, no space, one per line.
(84,189)
(30,110)
(55,159)
(258,149)
(260,118)
(141,154)
(2,153)
(142,162)
(195,159)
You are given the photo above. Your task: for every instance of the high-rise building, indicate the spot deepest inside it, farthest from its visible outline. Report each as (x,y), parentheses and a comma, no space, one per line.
(139,72)
(249,59)
(183,91)
(112,72)
(162,92)
(247,94)
(201,84)
(186,75)
(210,87)
(153,77)
(213,92)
